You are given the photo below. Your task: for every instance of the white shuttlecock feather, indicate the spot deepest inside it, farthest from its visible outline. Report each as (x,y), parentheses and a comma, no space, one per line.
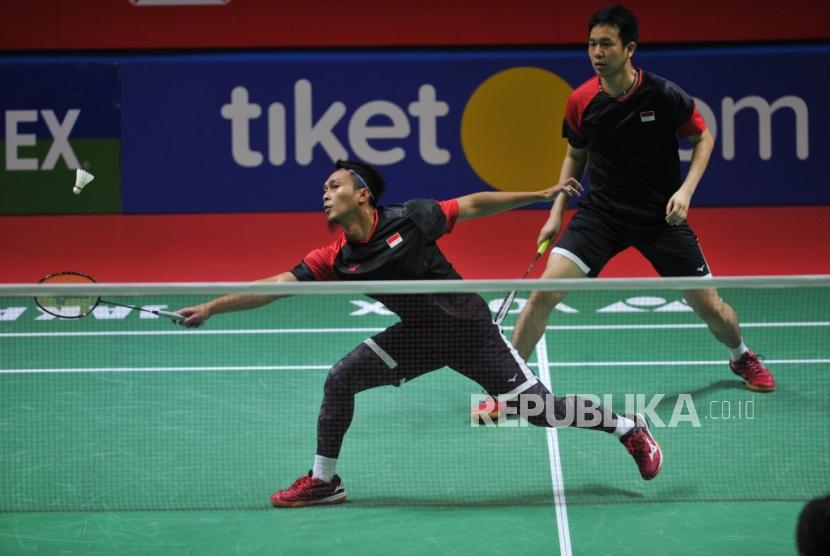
(82,178)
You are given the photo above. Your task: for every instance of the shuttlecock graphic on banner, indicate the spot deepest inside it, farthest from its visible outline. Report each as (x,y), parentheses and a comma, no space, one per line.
(82,177)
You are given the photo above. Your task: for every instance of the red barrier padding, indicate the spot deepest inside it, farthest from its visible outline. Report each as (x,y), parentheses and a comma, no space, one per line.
(233,247)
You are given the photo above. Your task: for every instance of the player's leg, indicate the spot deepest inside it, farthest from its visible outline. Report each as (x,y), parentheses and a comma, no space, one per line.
(722,321)
(589,241)
(675,251)
(631,430)
(531,323)
(719,316)
(587,244)
(388,358)
(359,370)
(486,357)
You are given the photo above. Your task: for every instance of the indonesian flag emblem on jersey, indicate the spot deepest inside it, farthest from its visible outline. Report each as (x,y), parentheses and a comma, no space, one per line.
(394,240)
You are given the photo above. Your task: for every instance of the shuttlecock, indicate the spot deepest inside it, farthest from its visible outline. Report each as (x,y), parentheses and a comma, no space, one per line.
(82,177)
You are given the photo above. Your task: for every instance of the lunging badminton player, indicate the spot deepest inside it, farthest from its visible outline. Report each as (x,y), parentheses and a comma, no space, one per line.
(456,330)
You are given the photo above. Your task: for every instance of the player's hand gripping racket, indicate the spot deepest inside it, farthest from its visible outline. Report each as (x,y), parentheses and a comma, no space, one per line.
(508,301)
(80,305)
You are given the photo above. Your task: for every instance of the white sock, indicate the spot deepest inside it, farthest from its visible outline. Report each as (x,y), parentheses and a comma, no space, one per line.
(323,468)
(735,353)
(624,426)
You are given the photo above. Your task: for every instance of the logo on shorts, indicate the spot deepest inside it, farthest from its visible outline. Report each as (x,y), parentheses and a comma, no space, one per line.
(647,116)
(394,240)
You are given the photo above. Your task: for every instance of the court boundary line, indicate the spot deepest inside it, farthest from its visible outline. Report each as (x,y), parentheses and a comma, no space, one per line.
(557,478)
(374,330)
(256,368)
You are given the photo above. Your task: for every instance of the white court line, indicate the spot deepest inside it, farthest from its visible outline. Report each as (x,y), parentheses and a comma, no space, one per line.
(356,330)
(557,478)
(192,332)
(679,363)
(542,366)
(217,368)
(804,324)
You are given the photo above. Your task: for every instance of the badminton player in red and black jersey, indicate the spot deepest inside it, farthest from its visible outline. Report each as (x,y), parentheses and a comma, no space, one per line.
(455,330)
(623,125)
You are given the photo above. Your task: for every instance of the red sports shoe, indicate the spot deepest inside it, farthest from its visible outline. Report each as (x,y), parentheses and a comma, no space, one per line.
(308,491)
(491,408)
(643,448)
(755,374)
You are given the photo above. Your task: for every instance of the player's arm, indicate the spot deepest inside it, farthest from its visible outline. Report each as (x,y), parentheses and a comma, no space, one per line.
(573,168)
(198,314)
(486,203)
(678,206)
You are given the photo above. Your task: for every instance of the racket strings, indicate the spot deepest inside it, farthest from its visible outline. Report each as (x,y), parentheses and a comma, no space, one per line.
(67,306)
(77,305)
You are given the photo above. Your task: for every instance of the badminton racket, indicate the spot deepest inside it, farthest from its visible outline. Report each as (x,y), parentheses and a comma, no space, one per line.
(80,305)
(508,301)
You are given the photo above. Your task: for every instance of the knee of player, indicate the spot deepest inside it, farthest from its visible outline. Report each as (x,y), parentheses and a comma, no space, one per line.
(545,299)
(337,381)
(549,413)
(708,307)
(538,406)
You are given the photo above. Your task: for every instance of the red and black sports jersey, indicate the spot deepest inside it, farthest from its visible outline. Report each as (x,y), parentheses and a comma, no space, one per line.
(401,246)
(632,144)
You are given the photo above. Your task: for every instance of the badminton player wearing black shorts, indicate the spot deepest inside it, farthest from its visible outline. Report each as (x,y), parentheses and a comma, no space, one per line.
(623,124)
(455,330)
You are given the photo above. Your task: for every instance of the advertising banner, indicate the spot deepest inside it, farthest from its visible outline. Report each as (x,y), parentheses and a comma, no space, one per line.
(58,117)
(260,132)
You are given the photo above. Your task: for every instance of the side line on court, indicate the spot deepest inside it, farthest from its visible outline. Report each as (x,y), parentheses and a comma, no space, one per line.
(218,368)
(562,527)
(185,333)
(543,367)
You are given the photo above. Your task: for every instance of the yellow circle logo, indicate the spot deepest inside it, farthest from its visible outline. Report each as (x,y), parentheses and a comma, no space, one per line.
(511,129)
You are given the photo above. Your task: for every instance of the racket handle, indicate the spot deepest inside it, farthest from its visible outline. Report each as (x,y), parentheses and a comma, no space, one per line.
(543,247)
(175,316)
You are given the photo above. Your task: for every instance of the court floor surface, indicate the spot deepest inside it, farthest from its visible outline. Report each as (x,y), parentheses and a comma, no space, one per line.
(127,435)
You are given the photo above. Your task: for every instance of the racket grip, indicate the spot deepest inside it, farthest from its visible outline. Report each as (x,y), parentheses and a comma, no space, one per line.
(175,316)
(543,247)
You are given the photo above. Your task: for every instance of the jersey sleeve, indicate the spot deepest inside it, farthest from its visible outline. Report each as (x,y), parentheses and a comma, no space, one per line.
(578,101)
(572,124)
(319,263)
(693,126)
(433,217)
(685,116)
(450,210)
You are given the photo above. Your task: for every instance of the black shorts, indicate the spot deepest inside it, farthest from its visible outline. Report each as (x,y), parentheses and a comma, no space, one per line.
(409,349)
(591,239)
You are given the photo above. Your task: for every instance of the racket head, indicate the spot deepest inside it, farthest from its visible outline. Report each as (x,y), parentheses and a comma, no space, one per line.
(67,306)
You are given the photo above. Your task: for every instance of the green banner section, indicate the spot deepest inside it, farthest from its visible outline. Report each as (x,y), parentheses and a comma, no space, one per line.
(50,191)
